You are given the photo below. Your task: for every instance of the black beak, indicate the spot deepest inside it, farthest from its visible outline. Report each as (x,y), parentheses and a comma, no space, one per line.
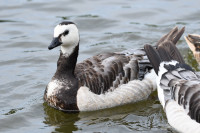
(55,42)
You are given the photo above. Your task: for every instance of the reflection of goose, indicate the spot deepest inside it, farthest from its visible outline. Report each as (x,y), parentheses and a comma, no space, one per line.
(62,122)
(102,81)
(193,41)
(141,116)
(178,87)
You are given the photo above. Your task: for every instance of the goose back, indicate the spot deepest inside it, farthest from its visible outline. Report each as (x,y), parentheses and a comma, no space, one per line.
(106,72)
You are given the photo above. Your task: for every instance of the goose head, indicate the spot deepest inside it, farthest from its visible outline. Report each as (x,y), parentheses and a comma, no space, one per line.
(65,35)
(193,41)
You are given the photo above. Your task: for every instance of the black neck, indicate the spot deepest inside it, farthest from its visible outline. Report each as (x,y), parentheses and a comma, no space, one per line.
(67,64)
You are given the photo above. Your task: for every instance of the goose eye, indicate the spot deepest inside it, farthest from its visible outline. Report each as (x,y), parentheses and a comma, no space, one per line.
(65,32)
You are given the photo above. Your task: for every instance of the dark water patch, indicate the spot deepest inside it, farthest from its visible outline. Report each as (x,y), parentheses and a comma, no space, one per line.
(32,51)
(152,25)
(100,43)
(3,21)
(79,16)
(18,37)
(108,33)
(88,16)
(64,17)
(181,23)
(136,23)
(12,111)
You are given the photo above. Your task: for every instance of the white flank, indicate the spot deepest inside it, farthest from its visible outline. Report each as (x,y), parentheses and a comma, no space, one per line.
(131,92)
(161,71)
(53,87)
(178,118)
(152,78)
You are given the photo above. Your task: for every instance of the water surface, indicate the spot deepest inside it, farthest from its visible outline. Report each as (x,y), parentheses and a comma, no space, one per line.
(26,29)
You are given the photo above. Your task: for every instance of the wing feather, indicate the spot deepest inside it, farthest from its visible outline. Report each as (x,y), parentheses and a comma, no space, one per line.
(105,72)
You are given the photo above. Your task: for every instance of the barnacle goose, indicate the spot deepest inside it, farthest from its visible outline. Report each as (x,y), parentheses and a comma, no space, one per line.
(102,81)
(178,87)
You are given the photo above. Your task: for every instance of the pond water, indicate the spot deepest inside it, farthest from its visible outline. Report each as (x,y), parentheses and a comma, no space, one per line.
(26,29)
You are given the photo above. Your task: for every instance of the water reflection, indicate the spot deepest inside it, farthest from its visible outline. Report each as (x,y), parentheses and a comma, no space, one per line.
(63,122)
(146,116)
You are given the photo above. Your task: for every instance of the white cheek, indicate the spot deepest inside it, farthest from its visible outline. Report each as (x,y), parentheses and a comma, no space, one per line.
(67,45)
(65,40)
(70,39)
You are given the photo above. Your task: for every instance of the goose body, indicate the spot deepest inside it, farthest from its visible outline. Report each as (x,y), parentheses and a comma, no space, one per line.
(102,81)
(178,87)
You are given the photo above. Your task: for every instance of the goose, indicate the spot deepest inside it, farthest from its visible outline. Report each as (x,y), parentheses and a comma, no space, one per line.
(103,81)
(178,87)
(193,41)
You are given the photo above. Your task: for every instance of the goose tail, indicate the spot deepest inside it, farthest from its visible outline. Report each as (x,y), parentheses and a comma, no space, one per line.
(166,50)
(174,35)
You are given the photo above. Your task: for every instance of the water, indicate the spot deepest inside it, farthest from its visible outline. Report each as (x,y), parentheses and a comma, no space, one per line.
(26,29)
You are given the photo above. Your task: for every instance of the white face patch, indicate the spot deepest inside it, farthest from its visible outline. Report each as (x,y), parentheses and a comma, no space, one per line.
(70,40)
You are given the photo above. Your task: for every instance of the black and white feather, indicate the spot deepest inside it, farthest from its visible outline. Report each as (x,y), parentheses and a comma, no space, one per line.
(102,81)
(178,87)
